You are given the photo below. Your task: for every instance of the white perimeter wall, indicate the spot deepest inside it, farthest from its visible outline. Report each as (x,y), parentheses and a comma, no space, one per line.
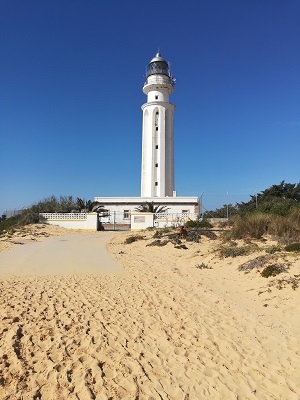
(141,220)
(72,220)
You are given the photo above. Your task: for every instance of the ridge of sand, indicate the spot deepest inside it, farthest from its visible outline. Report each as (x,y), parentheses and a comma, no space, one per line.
(163,329)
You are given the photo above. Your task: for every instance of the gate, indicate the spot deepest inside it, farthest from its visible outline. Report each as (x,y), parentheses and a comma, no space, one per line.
(114,221)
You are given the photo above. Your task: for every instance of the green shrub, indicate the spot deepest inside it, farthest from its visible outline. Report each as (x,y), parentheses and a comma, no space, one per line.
(277,206)
(235,251)
(273,249)
(132,239)
(181,246)
(204,223)
(8,224)
(293,247)
(203,266)
(273,270)
(158,242)
(193,236)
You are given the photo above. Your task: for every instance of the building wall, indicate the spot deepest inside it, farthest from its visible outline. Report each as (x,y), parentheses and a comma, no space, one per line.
(177,207)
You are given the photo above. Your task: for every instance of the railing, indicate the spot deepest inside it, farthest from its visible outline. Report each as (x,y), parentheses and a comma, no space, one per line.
(153,79)
(57,216)
(176,216)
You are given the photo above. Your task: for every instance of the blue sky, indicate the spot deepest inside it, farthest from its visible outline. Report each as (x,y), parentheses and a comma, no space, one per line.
(71,77)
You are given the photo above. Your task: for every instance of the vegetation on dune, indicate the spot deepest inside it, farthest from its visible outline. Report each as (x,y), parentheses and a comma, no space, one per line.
(286,229)
(293,247)
(201,224)
(52,204)
(276,200)
(273,270)
(203,266)
(135,238)
(275,212)
(236,251)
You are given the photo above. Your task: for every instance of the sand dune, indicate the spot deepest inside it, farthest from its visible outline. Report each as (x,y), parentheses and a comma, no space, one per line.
(159,329)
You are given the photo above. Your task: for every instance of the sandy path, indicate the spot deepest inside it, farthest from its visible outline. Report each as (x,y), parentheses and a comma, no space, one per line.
(152,332)
(67,254)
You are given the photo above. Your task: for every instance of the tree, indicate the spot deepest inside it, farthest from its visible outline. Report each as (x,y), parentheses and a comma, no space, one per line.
(84,206)
(101,212)
(277,199)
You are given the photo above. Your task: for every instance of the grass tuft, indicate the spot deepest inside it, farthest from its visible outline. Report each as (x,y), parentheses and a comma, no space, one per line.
(273,270)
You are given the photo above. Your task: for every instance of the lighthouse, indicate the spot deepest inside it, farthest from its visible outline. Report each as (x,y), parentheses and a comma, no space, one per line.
(157,177)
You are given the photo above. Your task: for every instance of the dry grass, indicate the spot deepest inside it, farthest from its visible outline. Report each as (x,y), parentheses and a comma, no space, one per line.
(284,229)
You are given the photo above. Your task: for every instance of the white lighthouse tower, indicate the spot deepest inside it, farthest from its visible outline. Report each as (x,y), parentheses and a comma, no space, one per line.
(157,161)
(158,131)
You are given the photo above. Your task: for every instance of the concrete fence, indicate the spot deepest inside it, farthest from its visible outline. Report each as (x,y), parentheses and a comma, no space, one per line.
(135,219)
(183,216)
(69,216)
(73,220)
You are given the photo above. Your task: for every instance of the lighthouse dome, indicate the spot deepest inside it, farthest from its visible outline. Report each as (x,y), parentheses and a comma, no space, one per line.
(158,65)
(158,57)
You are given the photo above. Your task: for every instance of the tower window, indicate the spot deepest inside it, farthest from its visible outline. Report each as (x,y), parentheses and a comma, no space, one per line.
(157,128)
(156,164)
(156,183)
(156,97)
(156,146)
(156,113)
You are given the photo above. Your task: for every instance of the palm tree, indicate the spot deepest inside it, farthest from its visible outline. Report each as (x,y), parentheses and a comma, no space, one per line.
(99,209)
(151,208)
(101,212)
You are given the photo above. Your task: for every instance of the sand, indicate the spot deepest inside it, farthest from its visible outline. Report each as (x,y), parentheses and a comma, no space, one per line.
(156,327)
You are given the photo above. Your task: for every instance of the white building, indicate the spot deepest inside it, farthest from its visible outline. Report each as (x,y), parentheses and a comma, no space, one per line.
(157,175)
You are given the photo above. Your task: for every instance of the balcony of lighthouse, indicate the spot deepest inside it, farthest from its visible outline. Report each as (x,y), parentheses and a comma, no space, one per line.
(160,79)
(160,83)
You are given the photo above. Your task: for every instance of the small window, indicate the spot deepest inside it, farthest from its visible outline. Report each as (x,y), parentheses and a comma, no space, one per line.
(156,97)
(156,183)
(156,128)
(126,214)
(185,213)
(156,113)
(156,164)
(156,146)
